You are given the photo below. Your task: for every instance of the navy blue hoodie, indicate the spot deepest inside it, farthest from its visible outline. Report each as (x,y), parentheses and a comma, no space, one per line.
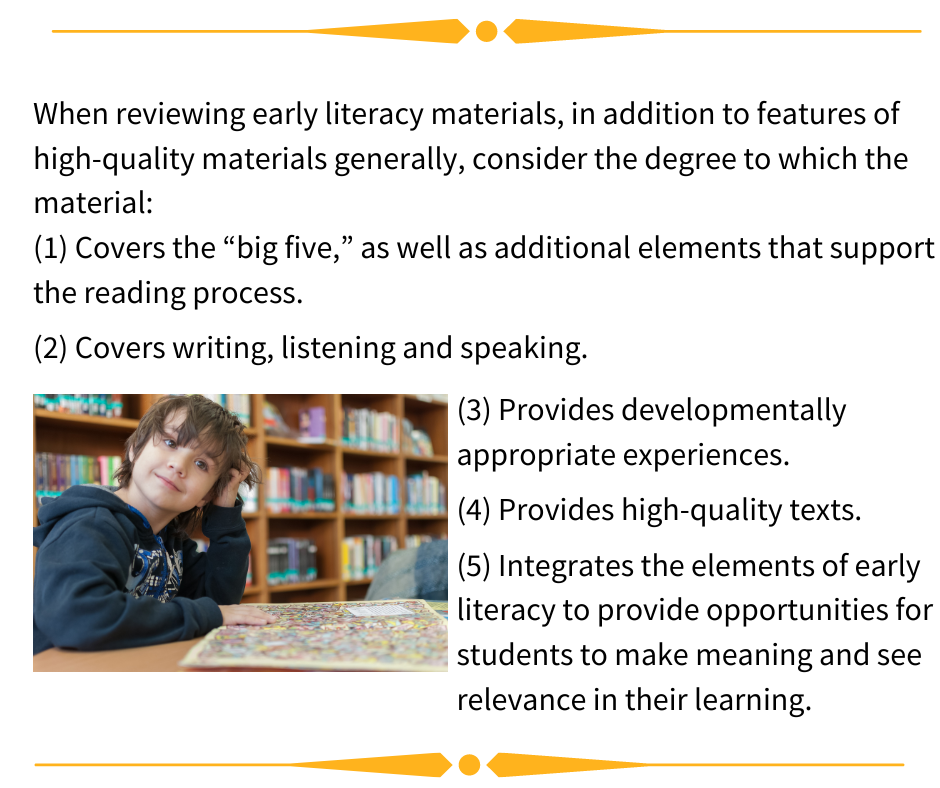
(96,557)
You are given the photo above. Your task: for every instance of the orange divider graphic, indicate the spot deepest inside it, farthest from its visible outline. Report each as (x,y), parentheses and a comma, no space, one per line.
(453,31)
(503,764)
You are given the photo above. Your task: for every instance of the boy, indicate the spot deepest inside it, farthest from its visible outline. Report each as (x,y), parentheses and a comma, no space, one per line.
(115,567)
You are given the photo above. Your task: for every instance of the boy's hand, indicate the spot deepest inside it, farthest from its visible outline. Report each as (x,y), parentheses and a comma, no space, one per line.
(245,614)
(229,495)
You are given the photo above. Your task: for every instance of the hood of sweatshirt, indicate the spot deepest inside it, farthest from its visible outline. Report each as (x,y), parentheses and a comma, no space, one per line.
(83,496)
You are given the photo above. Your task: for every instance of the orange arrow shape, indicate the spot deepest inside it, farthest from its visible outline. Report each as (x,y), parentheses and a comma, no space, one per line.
(508,764)
(431,764)
(531,31)
(441,31)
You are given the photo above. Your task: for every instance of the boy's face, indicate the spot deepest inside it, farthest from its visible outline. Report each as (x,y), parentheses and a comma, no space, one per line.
(169,479)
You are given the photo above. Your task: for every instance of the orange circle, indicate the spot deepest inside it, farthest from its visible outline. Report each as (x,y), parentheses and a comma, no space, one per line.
(470,764)
(486,31)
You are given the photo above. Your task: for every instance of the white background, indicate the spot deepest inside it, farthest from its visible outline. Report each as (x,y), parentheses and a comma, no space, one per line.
(722,331)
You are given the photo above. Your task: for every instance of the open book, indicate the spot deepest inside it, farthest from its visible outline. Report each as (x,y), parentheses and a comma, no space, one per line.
(398,634)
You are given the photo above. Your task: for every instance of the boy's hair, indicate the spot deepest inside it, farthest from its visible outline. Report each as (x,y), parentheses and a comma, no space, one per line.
(205,424)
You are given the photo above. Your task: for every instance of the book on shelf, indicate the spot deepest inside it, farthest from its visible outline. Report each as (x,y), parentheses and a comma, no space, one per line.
(55,473)
(110,406)
(424,494)
(416,540)
(299,490)
(291,561)
(369,429)
(312,425)
(274,423)
(415,441)
(371,493)
(363,555)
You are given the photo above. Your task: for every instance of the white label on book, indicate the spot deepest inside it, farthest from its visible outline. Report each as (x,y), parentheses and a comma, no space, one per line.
(380,610)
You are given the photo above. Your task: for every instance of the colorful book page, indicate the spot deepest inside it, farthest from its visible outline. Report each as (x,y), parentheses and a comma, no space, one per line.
(331,636)
(439,606)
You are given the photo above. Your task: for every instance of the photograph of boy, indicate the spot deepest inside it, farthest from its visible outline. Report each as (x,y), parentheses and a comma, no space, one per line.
(116,567)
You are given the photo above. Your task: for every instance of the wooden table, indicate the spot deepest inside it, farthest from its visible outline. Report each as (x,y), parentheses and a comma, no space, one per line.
(162,659)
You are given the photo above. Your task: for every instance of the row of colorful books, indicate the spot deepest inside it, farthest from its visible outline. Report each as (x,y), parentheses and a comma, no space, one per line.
(424,494)
(111,406)
(362,555)
(368,429)
(55,473)
(371,493)
(299,490)
(291,561)
(295,560)
(289,490)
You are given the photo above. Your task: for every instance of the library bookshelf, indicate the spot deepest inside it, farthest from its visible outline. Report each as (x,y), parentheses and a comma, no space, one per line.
(65,433)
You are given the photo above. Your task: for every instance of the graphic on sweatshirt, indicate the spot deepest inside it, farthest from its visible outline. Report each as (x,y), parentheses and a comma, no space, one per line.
(156,573)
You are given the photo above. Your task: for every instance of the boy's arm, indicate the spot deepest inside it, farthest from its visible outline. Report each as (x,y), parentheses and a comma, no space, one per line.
(220,572)
(80,601)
